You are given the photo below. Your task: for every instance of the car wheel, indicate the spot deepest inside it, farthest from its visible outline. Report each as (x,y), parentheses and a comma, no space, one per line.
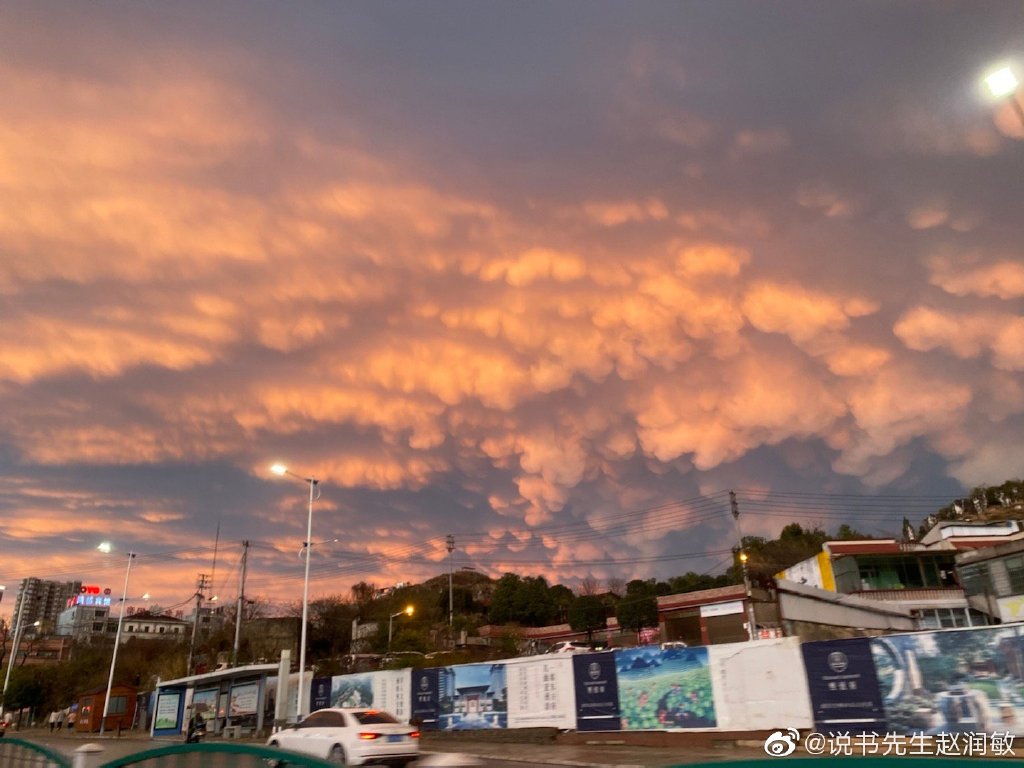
(337,755)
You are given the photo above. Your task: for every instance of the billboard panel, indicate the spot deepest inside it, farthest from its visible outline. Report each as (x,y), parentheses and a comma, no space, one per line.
(953,681)
(845,695)
(597,691)
(472,696)
(666,689)
(426,704)
(540,692)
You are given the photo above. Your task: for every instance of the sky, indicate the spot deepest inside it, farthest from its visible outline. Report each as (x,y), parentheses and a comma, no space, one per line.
(549,277)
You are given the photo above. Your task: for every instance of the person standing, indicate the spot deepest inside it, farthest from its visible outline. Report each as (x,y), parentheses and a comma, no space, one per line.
(53,720)
(61,713)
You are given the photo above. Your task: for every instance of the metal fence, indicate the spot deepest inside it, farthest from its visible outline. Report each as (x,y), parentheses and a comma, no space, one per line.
(18,753)
(215,755)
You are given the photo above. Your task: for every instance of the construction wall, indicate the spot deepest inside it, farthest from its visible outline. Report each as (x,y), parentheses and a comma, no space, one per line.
(760,685)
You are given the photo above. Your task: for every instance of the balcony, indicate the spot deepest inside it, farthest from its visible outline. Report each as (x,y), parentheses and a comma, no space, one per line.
(913,594)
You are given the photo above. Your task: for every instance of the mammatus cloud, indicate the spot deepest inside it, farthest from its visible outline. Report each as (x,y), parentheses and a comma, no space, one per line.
(199,278)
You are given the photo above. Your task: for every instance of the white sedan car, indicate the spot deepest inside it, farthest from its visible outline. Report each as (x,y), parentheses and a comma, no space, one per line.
(351,736)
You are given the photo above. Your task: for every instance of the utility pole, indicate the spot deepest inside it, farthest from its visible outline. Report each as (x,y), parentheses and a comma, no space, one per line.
(751,627)
(201,583)
(450,544)
(241,604)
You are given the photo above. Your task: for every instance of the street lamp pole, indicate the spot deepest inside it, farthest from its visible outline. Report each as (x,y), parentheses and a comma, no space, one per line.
(279,469)
(117,643)
(14,646)
(450,544)
(408,610)
(751,627)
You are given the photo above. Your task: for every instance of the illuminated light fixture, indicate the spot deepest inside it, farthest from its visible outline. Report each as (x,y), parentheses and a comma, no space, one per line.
(1002,82)
(407,611)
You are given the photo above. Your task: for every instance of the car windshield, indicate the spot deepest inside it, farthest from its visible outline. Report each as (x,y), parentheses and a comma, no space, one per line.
(373,718)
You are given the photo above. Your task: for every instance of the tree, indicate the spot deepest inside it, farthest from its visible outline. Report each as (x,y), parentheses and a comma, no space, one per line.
(587,614)
(589,586)
(639,608)
(692,582)
(363,595)
(503,599)
(847,533)
(330,627)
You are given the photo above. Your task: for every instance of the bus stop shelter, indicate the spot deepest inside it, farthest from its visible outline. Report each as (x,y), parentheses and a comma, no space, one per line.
(231,701)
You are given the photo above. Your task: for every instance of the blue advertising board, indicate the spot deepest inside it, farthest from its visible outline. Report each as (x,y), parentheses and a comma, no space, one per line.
(426,700)
(319,693)
(597,691)
(843,683)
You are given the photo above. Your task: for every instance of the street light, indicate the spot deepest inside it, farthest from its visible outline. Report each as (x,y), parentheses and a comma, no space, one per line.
(14,642)
(747,591)
(281,470)
(449,543)
(105,547)
(1002,83)
(408,610)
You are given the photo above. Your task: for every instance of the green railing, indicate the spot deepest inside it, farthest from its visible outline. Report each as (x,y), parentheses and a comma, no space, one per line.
(216,755)
(18,753)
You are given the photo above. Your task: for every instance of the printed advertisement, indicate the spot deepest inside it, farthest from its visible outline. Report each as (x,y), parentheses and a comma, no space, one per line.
(391,692)
(319,693)
(205,703)
(168,707)
(540,692)
(244,698)
(426,704)
(597,692)
(352,690)
(845,695)
(953,681)
(472,696)
(666,689)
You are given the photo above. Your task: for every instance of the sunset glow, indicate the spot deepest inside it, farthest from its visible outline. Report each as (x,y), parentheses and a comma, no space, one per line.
(548,278)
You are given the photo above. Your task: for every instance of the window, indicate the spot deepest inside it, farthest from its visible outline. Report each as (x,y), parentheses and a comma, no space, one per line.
(1015,573)
(131,627)
(118,705)
(373,718)
(97,626)
(943,618)
(975,579)
(321,720)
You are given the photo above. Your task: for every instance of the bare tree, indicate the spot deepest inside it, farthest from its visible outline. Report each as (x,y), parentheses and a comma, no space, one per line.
(617,585)
(588,586)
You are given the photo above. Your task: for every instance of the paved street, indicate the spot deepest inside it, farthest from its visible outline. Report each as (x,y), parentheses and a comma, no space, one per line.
(450,753)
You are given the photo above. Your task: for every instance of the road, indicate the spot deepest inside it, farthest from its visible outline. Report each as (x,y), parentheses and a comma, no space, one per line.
(464,753)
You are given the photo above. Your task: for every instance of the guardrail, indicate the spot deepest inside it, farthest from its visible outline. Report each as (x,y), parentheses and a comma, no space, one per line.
(216,755)
(18,753)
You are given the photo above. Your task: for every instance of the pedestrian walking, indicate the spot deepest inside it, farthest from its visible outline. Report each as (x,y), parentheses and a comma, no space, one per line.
(53,720)
(72,718)
(61,714)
